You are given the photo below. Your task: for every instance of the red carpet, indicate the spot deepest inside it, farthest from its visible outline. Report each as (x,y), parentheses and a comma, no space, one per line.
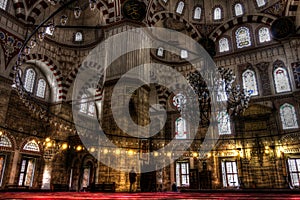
(145,196)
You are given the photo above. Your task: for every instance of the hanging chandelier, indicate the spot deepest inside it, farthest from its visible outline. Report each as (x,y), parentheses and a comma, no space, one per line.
(237,99)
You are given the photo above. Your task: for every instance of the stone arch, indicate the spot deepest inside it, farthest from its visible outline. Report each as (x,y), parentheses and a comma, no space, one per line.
(28,139)
(49,67)
(265,19)
(166,14)
(72,76)
(12,141)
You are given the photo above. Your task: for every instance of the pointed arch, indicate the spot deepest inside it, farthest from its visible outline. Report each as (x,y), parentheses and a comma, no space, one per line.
(288,116)
(281,77)
(249,82)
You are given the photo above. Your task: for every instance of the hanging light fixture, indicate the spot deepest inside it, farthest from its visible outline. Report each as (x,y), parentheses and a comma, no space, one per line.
(32,43)
(77,12)
(63,20)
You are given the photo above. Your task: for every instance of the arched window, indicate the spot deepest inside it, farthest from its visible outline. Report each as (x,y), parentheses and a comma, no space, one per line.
(83,104)
(184,54)
(197,13)
(160,52)
(41,88)
(3,4)
(264,35)
(260,3)
(32,146)
(217,13)
(238,9)
(180,7)
(78,37)
(249,82)
(29,80)
(180,128)
(5,142)
(281,79)
(223,123)
(288,116)
(221,96)
(223,45)
(165,1)
(92,109)
(243,38)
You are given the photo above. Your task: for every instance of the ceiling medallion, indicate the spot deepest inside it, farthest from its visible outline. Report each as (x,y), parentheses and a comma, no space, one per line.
(134,10)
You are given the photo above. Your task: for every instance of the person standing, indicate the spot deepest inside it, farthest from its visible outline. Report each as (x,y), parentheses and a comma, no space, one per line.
(132,179)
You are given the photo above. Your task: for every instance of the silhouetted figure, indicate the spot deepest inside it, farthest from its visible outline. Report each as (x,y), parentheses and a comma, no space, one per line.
(132,179)
(174,187)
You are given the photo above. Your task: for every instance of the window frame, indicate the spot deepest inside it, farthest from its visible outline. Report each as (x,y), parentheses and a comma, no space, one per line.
(257,6)
(295,117)
(74,37)
(297,172)
(250,37)
(34,81)
(177,7)
(37,88)
(24,172)
(258,36)
(229,44)
(276,65)
(221,13)
(180,174)
(256,80)
(234,9)
(225,174)
(194,12)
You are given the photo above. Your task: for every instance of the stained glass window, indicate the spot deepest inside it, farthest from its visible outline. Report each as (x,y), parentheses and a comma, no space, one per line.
(32,146)
(180,7)
(78,37)
(182,174)
(83,104)
(197,13)
(260,3)
(180,128)
(223,123)
(41,88)
(238,9)
(217,13)
(3,4)
(281,80)
(183,54)
(288,116)
(221,96)
(230,174)
(160,52)
(264,35)
(243,38)
(223,45)
(294,171)
(29,80)
(5,141)
(249,82)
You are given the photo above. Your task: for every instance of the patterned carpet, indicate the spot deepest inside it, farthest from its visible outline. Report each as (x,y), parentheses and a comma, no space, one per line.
(145,196)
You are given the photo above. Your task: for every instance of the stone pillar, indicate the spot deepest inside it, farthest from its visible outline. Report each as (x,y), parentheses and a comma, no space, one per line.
(13,171)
